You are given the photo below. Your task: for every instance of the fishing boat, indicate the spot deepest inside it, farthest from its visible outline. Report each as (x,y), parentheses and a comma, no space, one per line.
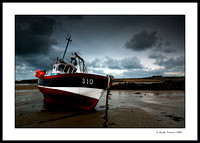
(65,85)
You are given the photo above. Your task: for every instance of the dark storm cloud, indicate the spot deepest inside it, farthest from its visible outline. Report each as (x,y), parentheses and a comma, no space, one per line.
(169,50)
(33,34)
(39,39)
(36,43)
(66,23)
(167,43)
(167,47)
(142,41)
(171,62)
(160,44)
(156,56)
(68,17)
(75,17)
(33,62)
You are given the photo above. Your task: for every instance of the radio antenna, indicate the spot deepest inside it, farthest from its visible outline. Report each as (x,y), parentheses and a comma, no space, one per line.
(70,28)
(68,40)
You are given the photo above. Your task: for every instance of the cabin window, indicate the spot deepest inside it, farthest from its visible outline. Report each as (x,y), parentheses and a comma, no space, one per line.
(66,69)
(74,70)
(61,67)
(70,69)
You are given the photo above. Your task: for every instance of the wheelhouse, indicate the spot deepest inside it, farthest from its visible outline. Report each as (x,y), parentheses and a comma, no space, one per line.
(63,68)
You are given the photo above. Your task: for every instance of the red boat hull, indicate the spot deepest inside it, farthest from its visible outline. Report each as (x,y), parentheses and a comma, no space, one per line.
(68,99)
(78,90)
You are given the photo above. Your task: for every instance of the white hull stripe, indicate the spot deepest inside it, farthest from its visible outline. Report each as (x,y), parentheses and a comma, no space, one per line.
(88,92)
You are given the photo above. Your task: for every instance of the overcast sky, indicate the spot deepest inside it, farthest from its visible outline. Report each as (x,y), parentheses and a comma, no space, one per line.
(126,46)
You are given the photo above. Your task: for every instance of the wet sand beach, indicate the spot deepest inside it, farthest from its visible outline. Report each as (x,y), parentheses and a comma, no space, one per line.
(127,109)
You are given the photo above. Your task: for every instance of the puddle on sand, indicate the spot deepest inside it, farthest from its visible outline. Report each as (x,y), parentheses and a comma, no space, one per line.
(150,101)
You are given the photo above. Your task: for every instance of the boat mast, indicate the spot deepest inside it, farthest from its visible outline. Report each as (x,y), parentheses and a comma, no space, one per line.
(68,41)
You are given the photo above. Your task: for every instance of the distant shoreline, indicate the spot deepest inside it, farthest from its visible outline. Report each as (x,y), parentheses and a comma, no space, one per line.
(166,85)
(150,83)
(26,81)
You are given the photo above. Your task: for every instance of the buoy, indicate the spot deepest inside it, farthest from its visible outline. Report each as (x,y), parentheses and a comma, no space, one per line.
(37,73)
(41,75)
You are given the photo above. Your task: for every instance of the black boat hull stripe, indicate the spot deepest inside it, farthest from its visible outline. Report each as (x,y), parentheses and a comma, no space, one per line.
(75,81)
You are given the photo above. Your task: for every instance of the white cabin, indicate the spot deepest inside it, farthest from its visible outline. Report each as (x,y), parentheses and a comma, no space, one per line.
(62,67)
